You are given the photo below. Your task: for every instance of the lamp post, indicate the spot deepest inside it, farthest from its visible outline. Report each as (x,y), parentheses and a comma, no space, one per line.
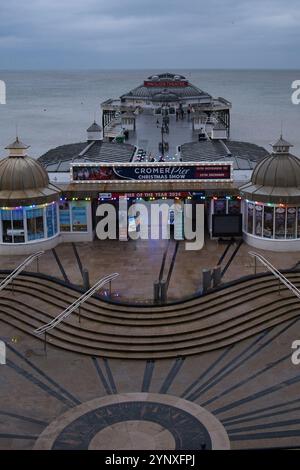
(163,131)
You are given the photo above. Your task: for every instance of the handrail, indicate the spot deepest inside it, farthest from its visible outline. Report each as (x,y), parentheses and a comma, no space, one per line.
(76,304)
(276,273)
(19,269)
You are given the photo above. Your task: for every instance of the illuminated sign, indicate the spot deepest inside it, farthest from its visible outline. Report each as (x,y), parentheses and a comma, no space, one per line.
(166,83)
(151,194)
(163,172)
(145,194)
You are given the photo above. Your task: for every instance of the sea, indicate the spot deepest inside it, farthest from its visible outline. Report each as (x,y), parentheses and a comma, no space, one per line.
(51,108)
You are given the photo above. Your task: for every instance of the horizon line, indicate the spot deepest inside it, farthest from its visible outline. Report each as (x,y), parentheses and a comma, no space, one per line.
(71,69)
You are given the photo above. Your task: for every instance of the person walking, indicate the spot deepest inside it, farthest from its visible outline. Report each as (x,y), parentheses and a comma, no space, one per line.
(189,112)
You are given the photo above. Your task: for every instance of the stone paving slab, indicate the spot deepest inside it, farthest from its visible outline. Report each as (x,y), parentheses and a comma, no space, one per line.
(248,387)
(139,262)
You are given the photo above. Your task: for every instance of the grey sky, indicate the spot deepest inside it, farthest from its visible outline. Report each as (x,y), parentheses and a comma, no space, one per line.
(145,34)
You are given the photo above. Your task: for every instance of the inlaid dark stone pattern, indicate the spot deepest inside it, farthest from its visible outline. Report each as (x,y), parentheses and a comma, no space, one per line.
(246,396)
(188,432)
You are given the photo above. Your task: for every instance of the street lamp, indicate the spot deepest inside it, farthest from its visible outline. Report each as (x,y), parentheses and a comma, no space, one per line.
(164,130)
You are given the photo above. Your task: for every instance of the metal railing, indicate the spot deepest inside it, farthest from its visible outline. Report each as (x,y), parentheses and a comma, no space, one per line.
(75,305)
(19,269)
(276,273)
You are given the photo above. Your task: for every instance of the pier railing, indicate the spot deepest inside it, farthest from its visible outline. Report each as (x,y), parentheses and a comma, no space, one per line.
(75,305)
(276,273)
(19,269)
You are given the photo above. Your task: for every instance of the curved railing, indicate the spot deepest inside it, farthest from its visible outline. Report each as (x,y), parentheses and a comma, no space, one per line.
(19,269)
(276,273)
(75,305)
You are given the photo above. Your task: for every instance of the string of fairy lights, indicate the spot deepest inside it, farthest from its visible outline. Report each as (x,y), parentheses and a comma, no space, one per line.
(269,204)
(148,198)
(32,206)
(115,198)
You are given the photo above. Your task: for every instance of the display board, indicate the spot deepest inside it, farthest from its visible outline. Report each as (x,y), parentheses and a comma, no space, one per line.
(50,221)
(227,225)
(79,216)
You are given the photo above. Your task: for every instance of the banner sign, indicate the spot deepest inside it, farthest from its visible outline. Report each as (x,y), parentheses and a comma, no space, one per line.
(109,173)
(156,194)
(166,83)
(145,194)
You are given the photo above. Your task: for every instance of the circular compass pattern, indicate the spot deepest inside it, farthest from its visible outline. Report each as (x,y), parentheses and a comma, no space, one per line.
(135,421)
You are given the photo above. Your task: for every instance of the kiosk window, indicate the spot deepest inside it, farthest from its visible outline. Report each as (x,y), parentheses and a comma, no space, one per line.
(12,226)
(35,224)
(250,211)
(279,222)
(268,222)
(258,220)
(291,222)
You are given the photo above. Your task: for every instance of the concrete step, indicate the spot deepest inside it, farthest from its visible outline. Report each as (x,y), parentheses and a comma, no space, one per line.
(78,337)
(217,323)
(197,325)
(47,299)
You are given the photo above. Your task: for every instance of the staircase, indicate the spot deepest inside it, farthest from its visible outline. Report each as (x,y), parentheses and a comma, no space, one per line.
(220,318)
(113,129)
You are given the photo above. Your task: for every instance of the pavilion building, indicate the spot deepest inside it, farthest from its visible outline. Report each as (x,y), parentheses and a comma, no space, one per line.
(271,201)
(29,204)
(166,92)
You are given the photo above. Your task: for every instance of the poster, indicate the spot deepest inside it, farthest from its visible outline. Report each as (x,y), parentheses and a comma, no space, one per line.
(79,216)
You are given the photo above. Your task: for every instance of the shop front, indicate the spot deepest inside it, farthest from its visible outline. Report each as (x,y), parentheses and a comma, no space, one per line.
(278,225)
(36,214)
(29,223)
(171,186)
(167,220)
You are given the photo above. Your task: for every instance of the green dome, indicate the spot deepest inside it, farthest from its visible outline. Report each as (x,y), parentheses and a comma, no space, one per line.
(281,171)
(22,178)
(276,179)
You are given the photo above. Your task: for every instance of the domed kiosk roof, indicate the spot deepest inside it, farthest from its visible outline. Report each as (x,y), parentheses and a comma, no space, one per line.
(276,178)
(23,180)
(178,86)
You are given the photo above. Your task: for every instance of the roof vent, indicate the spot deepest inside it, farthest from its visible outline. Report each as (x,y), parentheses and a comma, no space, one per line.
(281,146)
(17,148)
